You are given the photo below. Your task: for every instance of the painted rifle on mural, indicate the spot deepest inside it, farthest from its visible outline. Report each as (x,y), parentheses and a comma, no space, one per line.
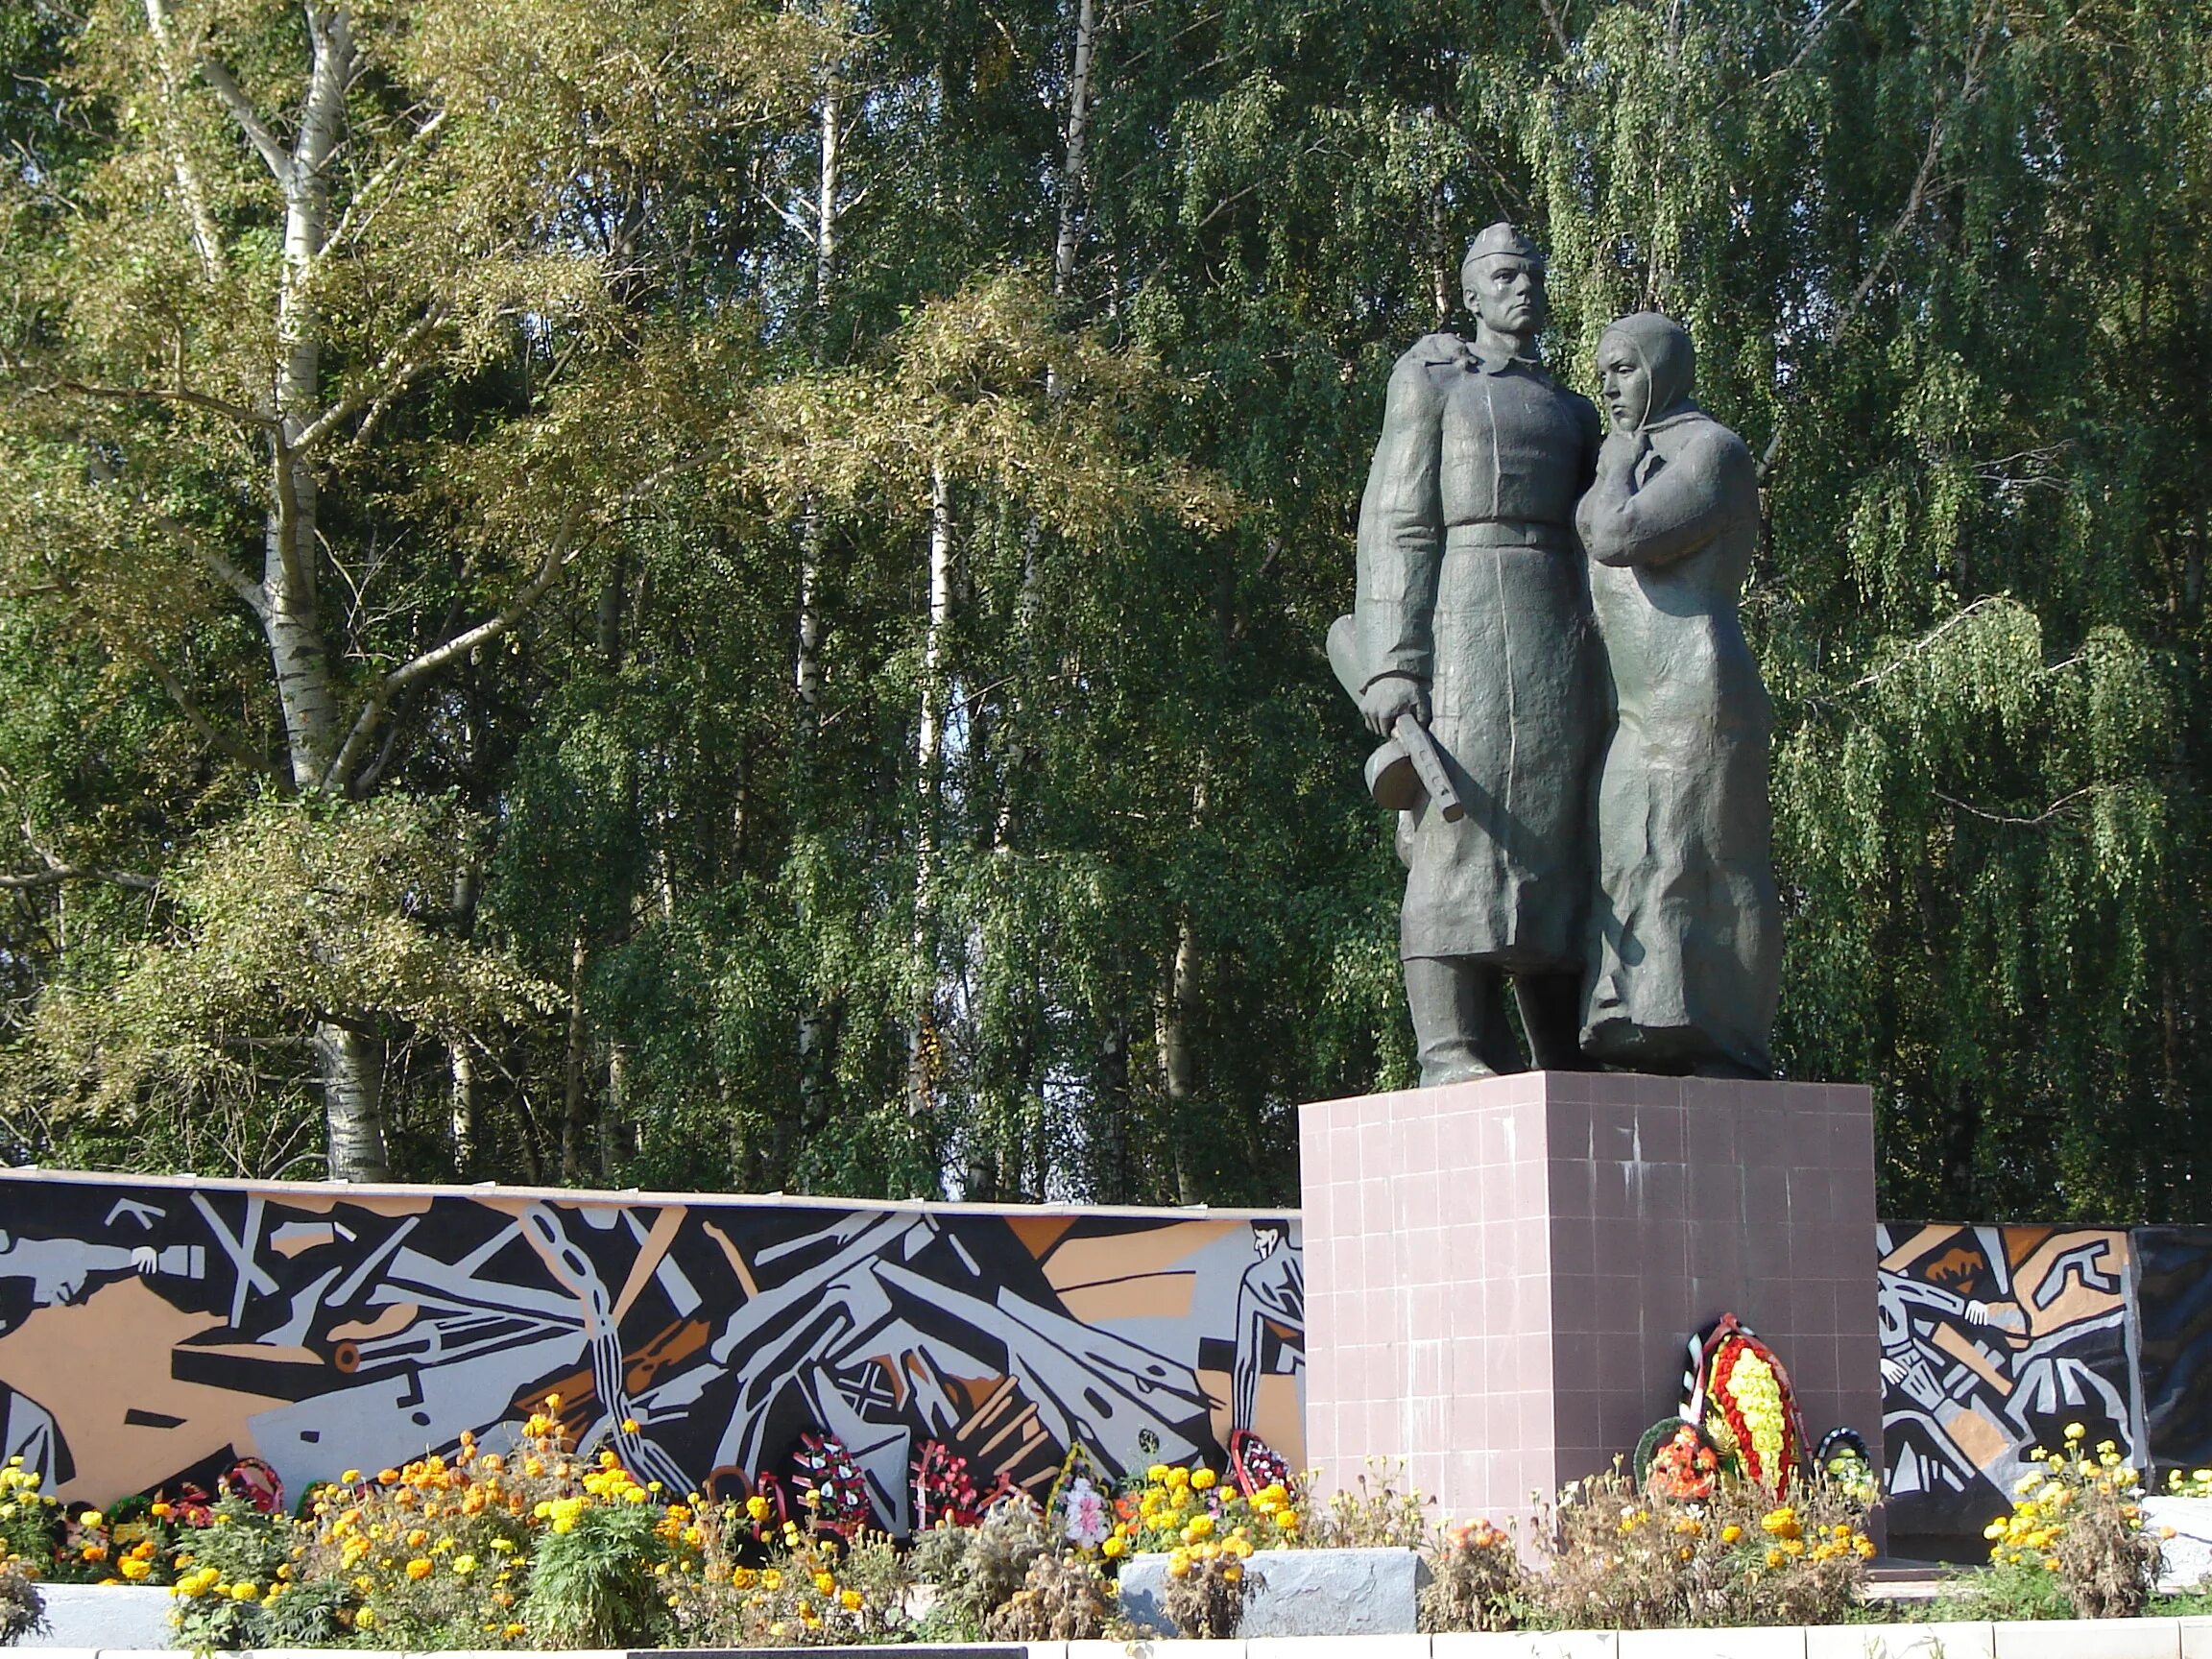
(156,1331)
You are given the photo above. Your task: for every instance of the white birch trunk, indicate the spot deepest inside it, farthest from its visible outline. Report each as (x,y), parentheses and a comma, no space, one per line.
(929,755)
(1077,131)
(352,1068)
(463,1103)
(304,684)
(807,666)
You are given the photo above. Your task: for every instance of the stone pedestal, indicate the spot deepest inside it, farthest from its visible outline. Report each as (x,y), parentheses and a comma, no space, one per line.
(1501,1276)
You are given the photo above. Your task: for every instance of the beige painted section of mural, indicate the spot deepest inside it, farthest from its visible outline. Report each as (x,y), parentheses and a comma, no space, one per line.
(1282,1420)
(1899,1260)
(1148,1296)
(389,1323)
(2076,1302)
(64,1359)
(1984,1441)
(1085,1262)
(320,1200)
(650,1254)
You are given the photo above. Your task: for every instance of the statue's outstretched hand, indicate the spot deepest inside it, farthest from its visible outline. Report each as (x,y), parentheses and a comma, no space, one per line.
(1387,698)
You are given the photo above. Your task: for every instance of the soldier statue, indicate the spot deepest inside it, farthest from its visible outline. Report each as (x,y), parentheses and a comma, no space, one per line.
(1471,647)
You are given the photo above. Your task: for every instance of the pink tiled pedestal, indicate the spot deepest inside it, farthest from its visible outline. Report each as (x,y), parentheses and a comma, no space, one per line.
(1501,1275)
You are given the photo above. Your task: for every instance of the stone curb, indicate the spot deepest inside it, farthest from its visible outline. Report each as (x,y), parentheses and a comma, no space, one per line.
(2053,1639)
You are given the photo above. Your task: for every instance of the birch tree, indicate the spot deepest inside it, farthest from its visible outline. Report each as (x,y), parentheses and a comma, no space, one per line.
(307,230)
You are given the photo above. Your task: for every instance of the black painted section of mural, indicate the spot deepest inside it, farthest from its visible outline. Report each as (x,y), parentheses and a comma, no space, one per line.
(151,1333)
(2174,1277)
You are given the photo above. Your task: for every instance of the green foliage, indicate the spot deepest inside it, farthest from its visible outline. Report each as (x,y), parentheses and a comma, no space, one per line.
(1058,883)
(237,1562)
(593,1586)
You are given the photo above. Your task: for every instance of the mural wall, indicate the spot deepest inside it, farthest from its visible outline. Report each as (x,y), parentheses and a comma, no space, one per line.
(156,1331)
(1993,1340)
(153,1333)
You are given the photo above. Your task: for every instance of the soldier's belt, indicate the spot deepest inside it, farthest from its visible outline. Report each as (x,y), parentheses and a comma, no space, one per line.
(1509,533)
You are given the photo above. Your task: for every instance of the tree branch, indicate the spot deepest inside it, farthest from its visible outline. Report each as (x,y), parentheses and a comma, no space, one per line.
(233,98)
(391,374)
(223,570)
(2035,822)
(560,553)
(1915,199)
(1926,639)
(167,394)
(228,743)
(367,192)
(53,874)
(58,872)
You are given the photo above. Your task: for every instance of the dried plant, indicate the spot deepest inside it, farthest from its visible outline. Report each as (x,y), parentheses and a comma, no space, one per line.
(1475,1582)
(22,1608)
(1379,1512)
(978,1569)
(2079,1517)
(1205,1595)
(1064,1598)
(1617,1557)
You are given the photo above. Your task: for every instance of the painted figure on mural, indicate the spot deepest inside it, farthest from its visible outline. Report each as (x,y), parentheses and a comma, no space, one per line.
(1685,951)
(1271,1301)
(1471,640)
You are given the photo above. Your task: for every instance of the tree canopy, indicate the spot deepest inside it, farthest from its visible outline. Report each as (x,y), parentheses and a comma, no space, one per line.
(728,594)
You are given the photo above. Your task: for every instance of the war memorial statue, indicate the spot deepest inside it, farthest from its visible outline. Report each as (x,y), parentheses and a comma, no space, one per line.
(1686,938)
(1545,633)
(1500,1275)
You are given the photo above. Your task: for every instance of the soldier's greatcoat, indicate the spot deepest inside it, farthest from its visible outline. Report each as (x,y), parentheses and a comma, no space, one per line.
(1471,581)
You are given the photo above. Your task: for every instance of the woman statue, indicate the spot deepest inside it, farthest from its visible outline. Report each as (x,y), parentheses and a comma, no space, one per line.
(1687,953)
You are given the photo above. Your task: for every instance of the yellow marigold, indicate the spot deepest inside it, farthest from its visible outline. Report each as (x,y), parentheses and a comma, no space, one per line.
(825,1584)
(248,1591)
(419,1568)
(134,1568)
(849,1600)
(365,1619)
(1115,1547)
(756,1506)
(1202,1478)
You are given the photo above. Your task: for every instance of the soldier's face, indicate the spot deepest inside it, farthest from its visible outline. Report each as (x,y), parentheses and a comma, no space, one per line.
(1508,292)
(1626,382)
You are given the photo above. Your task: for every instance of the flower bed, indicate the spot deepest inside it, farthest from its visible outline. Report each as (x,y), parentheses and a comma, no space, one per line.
(534,1545)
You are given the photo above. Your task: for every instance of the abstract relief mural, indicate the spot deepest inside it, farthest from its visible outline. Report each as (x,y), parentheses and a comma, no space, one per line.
(1993,1339)
(156,1331)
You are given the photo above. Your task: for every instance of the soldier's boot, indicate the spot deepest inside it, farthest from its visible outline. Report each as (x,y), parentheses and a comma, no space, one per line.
(1459,1022)
(1551,1015)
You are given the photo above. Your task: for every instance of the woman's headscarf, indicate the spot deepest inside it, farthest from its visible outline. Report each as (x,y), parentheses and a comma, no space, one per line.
(1669,359)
